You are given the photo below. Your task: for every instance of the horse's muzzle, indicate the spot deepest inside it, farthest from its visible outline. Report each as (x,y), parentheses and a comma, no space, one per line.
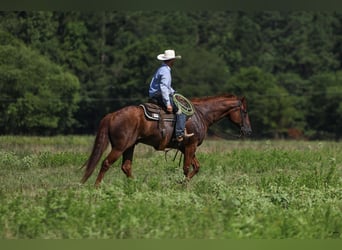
(246,131)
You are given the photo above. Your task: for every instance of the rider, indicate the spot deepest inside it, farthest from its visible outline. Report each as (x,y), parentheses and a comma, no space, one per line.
(162,91)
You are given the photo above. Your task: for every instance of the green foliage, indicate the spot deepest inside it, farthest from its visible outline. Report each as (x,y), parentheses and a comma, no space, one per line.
(244,190)
(200,73)
(325,102)
(112,54)
(37,94)
(270,106)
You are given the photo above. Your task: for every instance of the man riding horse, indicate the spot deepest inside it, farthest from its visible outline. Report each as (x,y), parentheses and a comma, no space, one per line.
(161,91)
(129,126)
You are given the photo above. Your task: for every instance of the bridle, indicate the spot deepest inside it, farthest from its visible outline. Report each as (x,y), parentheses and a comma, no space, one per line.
(243,113)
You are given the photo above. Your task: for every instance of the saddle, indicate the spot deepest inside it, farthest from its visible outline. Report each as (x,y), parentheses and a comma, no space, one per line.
(155,112)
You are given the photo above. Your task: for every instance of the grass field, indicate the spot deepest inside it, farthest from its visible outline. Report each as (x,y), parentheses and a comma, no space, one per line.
(245,189)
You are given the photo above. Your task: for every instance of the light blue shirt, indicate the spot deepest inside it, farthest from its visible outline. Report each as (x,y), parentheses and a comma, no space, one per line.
(161,84)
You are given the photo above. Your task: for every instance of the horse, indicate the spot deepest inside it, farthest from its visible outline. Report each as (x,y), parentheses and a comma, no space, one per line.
(128,126)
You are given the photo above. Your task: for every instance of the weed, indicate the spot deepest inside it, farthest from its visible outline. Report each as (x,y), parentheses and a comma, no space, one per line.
(249,189)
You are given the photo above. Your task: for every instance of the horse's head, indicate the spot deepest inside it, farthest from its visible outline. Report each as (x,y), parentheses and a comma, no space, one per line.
(239,117)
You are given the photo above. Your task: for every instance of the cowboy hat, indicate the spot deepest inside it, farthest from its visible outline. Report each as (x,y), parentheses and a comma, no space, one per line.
(168,55)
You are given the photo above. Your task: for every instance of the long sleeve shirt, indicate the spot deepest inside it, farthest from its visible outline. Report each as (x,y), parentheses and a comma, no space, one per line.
(161,84)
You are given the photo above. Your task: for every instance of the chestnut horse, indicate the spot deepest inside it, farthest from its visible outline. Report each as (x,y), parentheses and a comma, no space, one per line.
(128,126)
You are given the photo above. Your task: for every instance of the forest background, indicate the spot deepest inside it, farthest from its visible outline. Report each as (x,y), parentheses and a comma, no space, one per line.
(61,72)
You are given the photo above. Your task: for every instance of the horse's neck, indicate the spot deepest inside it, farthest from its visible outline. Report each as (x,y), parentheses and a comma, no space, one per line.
(214,111)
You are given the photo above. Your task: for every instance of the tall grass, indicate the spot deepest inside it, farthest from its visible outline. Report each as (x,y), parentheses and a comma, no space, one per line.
(245,189)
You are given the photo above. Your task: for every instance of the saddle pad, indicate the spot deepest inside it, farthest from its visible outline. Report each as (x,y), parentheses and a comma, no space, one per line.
(155,112)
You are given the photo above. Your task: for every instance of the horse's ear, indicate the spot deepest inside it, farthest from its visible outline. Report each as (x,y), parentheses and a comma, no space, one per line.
(244,101)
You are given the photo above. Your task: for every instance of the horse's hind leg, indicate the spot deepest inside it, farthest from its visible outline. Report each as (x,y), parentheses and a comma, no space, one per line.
(127,159)
(110,159)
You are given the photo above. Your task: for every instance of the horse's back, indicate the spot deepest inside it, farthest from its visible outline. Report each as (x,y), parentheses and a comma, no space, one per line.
(126,116)
(129,121)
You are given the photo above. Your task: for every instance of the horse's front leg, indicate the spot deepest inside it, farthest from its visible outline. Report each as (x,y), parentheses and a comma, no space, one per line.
(127,159)
(190,159)
(195,165)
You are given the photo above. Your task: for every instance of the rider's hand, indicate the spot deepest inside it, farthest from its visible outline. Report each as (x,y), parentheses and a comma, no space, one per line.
(169,108)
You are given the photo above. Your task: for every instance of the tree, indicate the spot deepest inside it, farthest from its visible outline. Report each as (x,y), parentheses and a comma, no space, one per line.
(38,96)
(274,57)
(325,116)
(270,107)
(298,96)
(199,73)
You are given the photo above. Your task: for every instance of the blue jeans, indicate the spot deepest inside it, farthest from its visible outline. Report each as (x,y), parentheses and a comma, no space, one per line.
(180,119)
(180,124)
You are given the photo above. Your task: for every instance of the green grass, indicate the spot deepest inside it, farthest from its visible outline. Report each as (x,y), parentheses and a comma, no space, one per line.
(245,189)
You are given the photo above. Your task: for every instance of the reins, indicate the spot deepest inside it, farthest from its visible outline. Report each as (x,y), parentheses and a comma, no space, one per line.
(225,136)
(174,158)
(215,132)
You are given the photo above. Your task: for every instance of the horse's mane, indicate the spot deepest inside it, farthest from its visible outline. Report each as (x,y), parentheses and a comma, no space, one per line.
(208,98)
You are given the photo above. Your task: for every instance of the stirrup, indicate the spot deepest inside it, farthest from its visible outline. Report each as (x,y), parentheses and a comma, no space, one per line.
(186,133)
(180,138)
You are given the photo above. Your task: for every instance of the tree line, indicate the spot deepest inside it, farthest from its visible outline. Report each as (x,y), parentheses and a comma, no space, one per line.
(62,71)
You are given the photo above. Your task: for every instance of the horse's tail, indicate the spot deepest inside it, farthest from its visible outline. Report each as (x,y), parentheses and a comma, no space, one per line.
(100,145)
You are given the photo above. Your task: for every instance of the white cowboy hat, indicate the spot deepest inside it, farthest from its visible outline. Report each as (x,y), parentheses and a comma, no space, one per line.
(168,55)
